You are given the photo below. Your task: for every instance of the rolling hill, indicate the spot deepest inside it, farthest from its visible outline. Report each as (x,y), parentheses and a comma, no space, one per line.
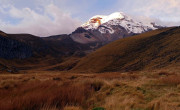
(27,52)
(11,48)
(151,50)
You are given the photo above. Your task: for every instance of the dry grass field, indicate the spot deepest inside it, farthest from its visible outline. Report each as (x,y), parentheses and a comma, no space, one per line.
(135,73)
(43,90)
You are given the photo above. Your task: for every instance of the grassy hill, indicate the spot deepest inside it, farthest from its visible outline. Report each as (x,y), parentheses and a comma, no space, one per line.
(27,52)
(151,50)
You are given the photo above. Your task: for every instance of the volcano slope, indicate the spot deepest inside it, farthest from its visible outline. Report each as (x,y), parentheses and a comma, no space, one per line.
(147,51)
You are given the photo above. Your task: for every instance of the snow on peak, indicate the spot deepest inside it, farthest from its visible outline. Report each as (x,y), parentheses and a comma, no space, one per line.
(104,23)
(97,20)
(116,15)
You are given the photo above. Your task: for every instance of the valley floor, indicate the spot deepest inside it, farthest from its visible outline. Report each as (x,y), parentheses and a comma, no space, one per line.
(155,90)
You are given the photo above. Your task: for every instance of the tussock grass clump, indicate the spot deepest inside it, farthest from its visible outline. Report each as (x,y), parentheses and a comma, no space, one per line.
(116,83)
(48,108)
(120,76)
(94,84)
(72,108)
(173,80)
(57,79)
(167,102)
(97,85)
(165,73)
(35,95)
(99,108)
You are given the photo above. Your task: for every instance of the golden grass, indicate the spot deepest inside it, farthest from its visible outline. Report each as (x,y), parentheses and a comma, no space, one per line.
(35,94)
(151,50)
(72,108)
(172,80)
(74,91)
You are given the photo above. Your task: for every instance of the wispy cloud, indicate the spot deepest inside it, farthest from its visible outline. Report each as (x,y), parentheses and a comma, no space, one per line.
(48,17)
(165,10)
(52,21)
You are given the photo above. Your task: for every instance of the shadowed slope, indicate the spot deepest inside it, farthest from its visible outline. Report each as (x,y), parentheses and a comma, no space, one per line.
(26,52)
(11,48)
(155,49)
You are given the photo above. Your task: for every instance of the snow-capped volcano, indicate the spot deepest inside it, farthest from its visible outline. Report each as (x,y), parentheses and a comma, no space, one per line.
(117,18)
(102,28)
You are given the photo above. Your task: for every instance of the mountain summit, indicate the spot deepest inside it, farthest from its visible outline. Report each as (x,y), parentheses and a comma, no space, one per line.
(97,20)
(102,28)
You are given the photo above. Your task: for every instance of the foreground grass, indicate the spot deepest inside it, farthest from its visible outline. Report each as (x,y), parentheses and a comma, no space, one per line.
(158,90)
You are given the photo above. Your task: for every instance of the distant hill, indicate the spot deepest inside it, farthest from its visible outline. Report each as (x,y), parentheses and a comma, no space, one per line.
(59,45)
(25,51)
(11,48)
(151,50)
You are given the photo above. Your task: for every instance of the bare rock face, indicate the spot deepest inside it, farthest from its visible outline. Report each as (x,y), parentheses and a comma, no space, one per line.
(10,49)
(84,36)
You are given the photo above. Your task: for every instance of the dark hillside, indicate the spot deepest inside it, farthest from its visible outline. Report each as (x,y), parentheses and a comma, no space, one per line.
(151,50)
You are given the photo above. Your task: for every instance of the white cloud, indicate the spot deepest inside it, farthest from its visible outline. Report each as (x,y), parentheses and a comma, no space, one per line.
(51,22)
(166,10)
(161,7)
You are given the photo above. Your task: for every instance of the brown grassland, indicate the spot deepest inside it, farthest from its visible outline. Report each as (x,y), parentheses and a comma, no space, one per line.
(43,90)
(135,73)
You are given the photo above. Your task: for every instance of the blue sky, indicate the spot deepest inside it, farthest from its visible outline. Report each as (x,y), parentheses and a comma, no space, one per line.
(50,17)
